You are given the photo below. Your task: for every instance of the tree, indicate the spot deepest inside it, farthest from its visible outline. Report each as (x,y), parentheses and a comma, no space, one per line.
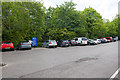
(92,18)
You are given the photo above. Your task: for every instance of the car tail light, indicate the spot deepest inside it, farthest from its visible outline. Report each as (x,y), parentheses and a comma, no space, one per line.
(21,44)
(63,42)
(81,41)
(68,42)
(50,43)
(11,44)
(71,42)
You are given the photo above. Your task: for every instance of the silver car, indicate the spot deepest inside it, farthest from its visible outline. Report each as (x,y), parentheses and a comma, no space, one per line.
(23,45)
(50,43)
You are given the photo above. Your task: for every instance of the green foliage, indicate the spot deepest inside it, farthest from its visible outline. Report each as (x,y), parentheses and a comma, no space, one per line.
(22,21)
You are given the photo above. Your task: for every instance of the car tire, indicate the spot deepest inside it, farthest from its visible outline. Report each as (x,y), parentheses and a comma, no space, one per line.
(19,48)
(3,50)
(42,46)
(13,49)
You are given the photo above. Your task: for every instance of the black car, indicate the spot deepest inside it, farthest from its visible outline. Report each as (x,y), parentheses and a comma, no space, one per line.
(63,43)
(91,42)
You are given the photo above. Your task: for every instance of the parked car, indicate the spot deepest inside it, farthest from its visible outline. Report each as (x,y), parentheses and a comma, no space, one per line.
(103,40)
(95,40)
(91,42)
(63,43)
(50,43)
(109,39)
(72,42)
(115,38)
(23,45)
(7,45)
(81,40)
(98,41)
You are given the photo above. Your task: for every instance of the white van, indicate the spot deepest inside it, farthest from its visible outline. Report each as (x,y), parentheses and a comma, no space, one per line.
(81,40)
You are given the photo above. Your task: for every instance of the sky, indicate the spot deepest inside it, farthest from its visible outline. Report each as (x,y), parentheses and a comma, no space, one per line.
(107,8)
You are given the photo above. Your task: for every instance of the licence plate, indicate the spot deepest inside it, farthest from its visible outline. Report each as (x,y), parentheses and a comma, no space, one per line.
(26,44)
(7,48)
(53,45)
(66,44)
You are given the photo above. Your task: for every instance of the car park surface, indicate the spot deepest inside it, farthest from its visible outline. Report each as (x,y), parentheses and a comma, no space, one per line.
(99,61)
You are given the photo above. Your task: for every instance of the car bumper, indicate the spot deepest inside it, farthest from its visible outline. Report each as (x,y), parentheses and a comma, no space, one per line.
(25,47)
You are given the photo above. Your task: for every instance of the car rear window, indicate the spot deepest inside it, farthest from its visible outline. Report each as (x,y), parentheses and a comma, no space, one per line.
(7,42)
(24,42)
(107,38)
(53,41)
(65,40)
(84,38)
(76,39)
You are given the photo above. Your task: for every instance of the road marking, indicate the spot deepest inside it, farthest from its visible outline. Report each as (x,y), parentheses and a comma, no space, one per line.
(115,74)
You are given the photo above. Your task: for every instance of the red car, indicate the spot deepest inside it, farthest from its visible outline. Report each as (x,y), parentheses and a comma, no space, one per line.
(7,45)
(109,39)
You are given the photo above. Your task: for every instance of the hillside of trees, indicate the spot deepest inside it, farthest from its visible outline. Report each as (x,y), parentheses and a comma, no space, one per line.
(24,20)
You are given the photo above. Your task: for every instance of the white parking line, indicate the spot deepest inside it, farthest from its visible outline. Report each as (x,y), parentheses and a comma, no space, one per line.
(115,74)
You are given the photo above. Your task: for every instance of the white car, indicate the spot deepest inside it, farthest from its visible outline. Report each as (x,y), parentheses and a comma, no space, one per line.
(49,43)
(98,41)
(115,38)
(81,40)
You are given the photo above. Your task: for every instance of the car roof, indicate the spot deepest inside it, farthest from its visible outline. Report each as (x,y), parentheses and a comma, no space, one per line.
(6,41)
(24,41)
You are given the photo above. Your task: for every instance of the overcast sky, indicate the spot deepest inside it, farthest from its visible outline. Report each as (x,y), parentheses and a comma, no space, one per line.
(107,8)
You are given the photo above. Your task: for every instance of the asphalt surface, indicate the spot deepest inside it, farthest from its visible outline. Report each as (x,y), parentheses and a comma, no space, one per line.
(99,61)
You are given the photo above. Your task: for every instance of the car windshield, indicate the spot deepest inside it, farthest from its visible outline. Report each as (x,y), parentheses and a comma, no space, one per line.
(84,38)
(7,42)
(52,41)
(90,40)
(73,40)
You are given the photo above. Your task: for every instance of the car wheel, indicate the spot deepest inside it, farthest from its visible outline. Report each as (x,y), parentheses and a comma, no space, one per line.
(47,46)
(3,50)
(13,49)
(19,48)
(42,46)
